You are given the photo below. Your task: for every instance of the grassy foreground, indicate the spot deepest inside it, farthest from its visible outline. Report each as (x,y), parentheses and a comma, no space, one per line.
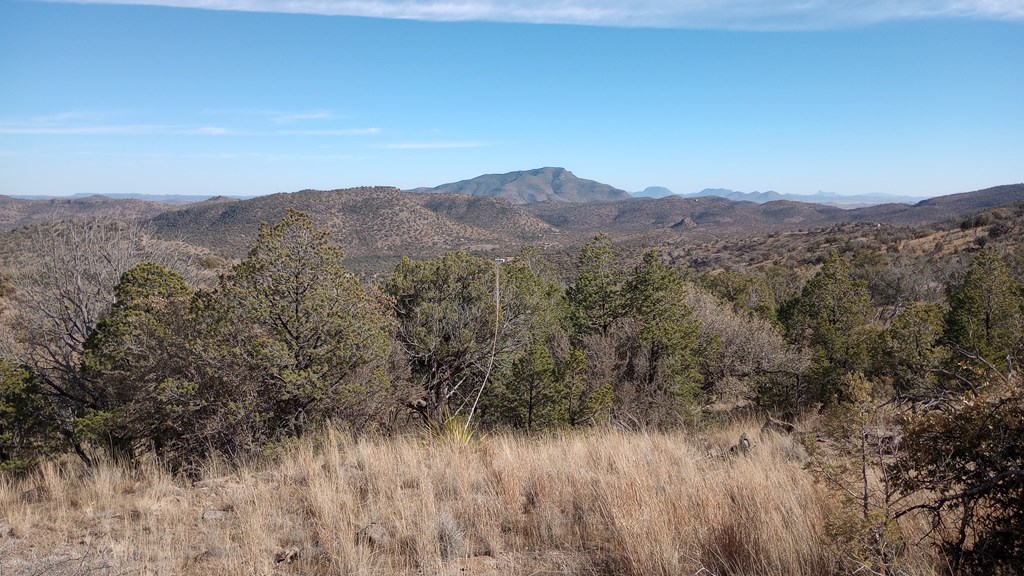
(603,502)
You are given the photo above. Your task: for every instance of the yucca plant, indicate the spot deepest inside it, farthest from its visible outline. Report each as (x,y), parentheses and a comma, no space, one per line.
(453,429)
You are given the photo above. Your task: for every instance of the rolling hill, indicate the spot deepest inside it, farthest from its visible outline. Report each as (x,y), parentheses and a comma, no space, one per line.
(942,207)
(713,215)
(16,212)
(376,225)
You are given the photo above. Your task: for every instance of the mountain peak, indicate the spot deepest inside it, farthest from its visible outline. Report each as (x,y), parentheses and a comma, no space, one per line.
(548,184)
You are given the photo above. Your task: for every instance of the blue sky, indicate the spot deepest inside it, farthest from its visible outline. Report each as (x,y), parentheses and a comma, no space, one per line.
(154,96)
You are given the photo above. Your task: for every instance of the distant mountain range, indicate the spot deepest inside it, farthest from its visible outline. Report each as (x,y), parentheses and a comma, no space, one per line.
(379,225)
(532,186)
(550,184)
(827,198)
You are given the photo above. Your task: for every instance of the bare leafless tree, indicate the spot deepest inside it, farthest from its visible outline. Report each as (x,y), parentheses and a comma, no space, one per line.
(64,285)
(740,348)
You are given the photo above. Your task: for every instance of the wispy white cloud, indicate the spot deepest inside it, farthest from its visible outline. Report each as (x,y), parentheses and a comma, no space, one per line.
(288,117)
(329,132)
(213,130)
(434,145)
(719,14)
(66,125)
(265,156)
(95,129)
(278,116)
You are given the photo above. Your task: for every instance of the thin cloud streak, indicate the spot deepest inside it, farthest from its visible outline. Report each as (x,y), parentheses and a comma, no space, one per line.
(329,132)
(434,145)
(279,116)
(125,129)
(168,130)
(703,14)
(269,156)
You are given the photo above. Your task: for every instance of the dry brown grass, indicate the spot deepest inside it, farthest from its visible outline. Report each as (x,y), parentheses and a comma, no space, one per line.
(603,502)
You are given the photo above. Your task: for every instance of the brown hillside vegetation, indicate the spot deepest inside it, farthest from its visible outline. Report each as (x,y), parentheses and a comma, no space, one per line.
(719,218)
(694,216)
(943,207)
(368,222)
(940,244)
(603,502)
(379,225)
(492,214)
(15,212)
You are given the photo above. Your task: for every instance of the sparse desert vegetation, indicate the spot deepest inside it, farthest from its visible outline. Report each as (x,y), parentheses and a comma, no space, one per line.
(281,294)
(830,401)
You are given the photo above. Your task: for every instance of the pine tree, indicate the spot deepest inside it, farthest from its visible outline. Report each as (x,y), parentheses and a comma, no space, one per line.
(659,363)
(595,298)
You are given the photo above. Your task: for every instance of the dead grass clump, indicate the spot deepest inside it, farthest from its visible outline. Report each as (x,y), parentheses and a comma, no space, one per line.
(600,502)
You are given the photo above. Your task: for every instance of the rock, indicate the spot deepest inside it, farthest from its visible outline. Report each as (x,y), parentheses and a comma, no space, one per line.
(292,537)
(286,555)
(451,538)
(373,535)
(212,553)
(480,566)
(214,514)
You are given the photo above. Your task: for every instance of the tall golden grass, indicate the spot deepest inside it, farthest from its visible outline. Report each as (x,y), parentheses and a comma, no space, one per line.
(603,502)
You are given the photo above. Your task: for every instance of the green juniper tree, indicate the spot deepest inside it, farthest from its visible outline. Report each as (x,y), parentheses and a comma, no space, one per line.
(831,315)
(290,339)
(27,425)
(985,323)
(531,393)
(132,360)
(464,321)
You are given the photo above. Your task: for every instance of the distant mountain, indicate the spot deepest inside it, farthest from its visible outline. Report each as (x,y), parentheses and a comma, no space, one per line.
(532,186)
(653,192)
(164,198)
(852,200)
(827,198)
(713,215)
(759,197)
